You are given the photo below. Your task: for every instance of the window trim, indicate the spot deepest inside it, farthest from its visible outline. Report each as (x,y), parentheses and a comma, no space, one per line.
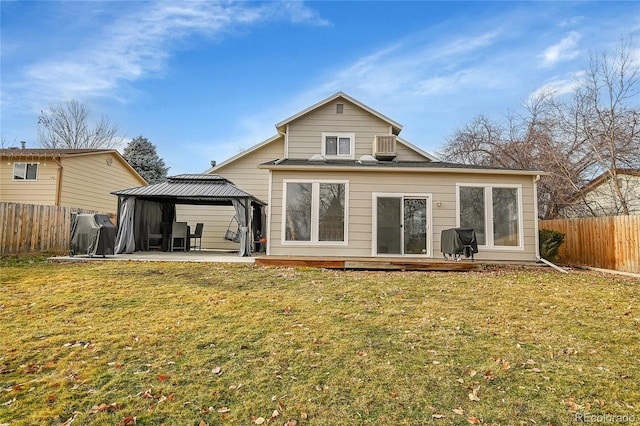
(315,213)
(488,214)
(24,179)
(352,145)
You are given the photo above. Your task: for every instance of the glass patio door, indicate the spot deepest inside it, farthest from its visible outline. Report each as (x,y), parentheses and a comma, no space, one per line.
(401,225)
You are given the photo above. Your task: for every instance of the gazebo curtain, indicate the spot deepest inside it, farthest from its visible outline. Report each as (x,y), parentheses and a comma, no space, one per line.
(125,241)
(243,218)
(139,218)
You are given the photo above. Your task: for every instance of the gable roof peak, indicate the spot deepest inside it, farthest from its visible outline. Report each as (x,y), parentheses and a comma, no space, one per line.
(397,127)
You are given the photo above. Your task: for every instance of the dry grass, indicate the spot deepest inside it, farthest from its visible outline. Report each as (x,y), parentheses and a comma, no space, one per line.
(180,344)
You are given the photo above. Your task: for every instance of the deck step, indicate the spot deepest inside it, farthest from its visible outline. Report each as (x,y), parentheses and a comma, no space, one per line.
(383,264)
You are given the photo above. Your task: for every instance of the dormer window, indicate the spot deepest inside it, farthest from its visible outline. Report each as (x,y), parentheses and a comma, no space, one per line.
(338,145)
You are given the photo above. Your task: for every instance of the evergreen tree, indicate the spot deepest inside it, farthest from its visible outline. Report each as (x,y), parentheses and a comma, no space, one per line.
(142,156)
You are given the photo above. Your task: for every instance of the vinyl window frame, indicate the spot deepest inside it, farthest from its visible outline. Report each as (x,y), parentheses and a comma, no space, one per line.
(25,174)
(338,135)
(488,214)
(315,213)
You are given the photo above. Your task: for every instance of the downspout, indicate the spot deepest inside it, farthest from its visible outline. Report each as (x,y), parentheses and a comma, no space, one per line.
(286,143)
(267,250)
(58,181)
(537,230)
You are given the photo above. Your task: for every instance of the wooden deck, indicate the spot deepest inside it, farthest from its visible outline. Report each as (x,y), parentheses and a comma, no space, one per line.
(373,263)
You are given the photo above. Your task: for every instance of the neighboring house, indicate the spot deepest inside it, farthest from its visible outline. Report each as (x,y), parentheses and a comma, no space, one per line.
(81,178)
(340,181)
(602,197)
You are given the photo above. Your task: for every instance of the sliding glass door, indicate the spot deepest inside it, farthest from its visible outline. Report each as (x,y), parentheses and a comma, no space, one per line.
(402,224)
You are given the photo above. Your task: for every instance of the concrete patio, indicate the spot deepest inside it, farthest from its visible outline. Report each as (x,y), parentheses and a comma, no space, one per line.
(162,256)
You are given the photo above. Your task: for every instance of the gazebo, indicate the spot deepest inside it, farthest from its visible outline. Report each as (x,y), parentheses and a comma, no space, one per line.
(145,210)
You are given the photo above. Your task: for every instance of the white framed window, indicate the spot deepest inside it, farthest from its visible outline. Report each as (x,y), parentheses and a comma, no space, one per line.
(338,145)
(25,171)
(494,211)
(315,212)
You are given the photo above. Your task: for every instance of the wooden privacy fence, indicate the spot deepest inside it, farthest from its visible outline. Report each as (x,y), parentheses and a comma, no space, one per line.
(601,242)
(32,228)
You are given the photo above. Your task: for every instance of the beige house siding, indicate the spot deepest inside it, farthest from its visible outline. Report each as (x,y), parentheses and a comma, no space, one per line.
(362,185)
(40,191)
(404,153)
(88,181)
(305,133)
(603,199)
(79,180)
(244,173)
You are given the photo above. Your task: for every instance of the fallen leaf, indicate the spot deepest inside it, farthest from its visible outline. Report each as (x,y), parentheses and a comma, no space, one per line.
(105,407)
(50,364)
(287,309)
(223,410)
(471,372)
(259,421)
(217,370)
(474,420)
(51,398)
(459,411)
(291,423)
(488,375)
(394,395)
(304,416)
(473,396)
(203,423)
(33,368)
(274,414)
(438,416)
(128,421)
(163,378)
(70,420)
(536,370)
(8,403)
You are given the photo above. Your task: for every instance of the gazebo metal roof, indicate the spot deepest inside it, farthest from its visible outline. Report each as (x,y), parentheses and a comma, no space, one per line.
(204,189)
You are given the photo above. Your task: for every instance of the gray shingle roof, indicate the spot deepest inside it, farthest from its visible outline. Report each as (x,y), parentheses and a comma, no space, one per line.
(49,152)
(418,165)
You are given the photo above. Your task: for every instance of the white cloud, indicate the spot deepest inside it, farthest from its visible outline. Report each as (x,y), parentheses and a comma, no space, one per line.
(564,50)
(558,86)
(411,69)
(139,44)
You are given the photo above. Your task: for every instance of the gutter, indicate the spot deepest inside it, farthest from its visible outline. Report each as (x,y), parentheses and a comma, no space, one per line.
(324,168)
(537,230)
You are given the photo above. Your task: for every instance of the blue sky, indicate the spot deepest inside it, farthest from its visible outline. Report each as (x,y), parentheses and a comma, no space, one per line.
(203,80)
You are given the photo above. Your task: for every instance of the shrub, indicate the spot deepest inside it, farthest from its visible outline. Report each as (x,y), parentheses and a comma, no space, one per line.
(550,242)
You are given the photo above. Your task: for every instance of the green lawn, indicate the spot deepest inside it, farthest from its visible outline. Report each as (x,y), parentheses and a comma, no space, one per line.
(102,343)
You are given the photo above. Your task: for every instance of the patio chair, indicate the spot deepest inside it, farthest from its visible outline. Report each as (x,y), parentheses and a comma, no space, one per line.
(197,237)
(178,232)
(157,241)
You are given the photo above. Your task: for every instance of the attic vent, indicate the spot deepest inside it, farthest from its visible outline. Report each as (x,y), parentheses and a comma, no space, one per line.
(384,147)
(339,108)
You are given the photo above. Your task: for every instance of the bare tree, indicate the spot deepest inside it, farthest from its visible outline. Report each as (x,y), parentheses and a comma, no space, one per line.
(66,125)
(575,141)
(607,122)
